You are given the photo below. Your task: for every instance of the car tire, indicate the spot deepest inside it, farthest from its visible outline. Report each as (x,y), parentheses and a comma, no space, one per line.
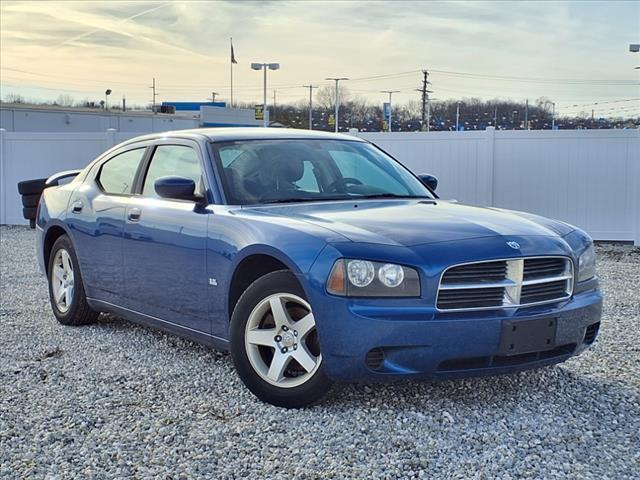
(66,291)
(31,187)
(277,355)
(30,200)
(29,212)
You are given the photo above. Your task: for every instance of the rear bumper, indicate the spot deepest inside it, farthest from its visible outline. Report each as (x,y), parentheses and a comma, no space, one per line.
(374,341)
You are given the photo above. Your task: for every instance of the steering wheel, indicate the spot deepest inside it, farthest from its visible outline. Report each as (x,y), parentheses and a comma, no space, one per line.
(340,185)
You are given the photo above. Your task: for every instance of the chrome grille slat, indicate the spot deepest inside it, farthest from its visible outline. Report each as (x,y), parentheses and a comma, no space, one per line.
(505,283)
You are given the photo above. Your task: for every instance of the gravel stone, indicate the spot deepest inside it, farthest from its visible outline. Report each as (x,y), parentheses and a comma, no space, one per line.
(117,400)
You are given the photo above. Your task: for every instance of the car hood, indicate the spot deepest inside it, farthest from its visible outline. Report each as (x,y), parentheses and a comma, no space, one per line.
(415,222)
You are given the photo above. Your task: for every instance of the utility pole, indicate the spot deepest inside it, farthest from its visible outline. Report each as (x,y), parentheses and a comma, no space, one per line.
(337,98)
(495,117)
(310,87)
(153,101)
(425,100)
(274,105)
(213,96)
(553,116)
(124,104)
(526,115)
(390,92)
(457,116)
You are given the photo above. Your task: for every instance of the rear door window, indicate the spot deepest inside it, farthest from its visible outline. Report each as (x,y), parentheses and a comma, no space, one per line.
(118,173)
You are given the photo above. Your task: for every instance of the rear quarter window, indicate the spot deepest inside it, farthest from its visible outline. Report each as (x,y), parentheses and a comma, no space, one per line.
(118,173)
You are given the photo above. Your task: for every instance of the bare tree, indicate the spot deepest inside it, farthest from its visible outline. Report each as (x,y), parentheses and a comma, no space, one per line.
(14,98)
(65,101)
(326,96)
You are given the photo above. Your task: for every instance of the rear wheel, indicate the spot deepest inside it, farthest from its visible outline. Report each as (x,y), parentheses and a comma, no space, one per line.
(274,343)
(66,291)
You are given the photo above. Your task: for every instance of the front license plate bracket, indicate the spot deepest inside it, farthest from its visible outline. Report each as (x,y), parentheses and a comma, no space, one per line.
(526,336)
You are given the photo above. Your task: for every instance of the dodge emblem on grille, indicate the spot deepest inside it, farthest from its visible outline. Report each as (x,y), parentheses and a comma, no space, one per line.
(514,245)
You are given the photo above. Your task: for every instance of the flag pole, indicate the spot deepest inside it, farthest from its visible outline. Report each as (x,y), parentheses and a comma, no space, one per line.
(231,63)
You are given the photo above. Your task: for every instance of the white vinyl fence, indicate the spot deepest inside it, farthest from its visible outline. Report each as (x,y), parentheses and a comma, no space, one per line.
(29,155)
(589,178)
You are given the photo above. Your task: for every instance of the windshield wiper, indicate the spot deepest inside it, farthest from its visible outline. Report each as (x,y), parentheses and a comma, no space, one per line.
(393,195)
(303,199)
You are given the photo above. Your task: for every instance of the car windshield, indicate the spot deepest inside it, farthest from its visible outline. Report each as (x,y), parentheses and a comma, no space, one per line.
(282,171)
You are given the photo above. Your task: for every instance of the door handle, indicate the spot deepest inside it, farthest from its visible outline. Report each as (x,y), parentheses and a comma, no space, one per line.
(76,207)
(134,214)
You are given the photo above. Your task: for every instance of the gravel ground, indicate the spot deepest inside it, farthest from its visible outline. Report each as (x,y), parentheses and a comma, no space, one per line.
(116,400)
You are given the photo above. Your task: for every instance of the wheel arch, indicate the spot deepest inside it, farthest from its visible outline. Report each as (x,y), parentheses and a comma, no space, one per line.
(52,234)
(252,265)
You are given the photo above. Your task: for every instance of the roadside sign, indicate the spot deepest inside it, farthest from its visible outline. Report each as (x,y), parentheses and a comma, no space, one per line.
(259,112)
(332,120)
(386,109)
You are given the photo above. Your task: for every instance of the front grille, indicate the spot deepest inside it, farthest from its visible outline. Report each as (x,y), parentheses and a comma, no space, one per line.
(471,298)
(478,363)
(505,283)
(482,272)
(540,292)
(543,267)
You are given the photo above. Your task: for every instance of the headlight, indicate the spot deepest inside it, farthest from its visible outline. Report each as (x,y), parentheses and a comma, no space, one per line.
(587,264)
(362,278)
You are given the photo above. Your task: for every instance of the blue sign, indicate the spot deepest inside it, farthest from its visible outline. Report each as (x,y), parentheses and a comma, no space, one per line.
(386,109)
(193,106)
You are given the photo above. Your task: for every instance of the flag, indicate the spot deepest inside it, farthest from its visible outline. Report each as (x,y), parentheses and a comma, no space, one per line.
(233,57)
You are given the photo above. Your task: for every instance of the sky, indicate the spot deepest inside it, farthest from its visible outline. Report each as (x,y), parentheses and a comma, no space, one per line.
(573,52)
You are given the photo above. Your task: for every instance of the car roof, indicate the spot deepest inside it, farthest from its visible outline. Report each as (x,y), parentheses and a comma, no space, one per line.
(246,133)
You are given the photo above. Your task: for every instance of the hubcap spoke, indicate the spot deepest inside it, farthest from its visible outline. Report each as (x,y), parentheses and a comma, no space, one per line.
(58,272)
(59,295)
(304,358)
(262,337)
(66,262)
(68,295)
(305,325)
(278,365)
(280,315)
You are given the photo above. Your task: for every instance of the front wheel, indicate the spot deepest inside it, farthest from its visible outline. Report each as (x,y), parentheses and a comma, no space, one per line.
(66,292)
(274,343)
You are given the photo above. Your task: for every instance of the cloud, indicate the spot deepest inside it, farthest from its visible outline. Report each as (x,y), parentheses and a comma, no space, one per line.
(185,45)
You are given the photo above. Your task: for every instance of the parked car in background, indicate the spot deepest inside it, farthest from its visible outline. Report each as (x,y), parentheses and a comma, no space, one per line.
(313,258)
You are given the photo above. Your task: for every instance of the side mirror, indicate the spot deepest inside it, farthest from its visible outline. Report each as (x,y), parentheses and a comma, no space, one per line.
(429,180)
(177,188)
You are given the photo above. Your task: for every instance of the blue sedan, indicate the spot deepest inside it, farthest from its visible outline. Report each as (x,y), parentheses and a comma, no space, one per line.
(313,258)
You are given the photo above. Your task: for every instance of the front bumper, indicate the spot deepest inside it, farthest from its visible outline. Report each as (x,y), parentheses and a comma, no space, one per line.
(369,341)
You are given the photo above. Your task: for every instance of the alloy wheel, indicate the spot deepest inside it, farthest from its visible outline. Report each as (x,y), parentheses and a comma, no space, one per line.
(62,280)
(281,340)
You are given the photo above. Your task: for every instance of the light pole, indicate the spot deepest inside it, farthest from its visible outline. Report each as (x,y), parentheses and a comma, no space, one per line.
(106,98)
(337,99)
(310,87)
(264,67)
(390,92)
(553,115)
